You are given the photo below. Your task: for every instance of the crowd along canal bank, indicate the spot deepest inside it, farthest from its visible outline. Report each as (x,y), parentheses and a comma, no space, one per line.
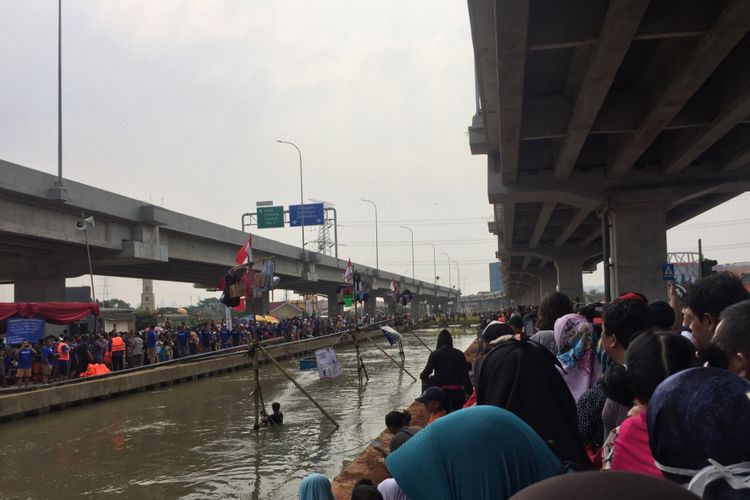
(53,397)
(196,440)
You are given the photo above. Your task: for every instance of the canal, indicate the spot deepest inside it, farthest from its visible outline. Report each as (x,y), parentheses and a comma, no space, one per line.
(195,440)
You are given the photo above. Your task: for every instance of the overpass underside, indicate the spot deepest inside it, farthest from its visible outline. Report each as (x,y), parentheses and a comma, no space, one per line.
(617,118)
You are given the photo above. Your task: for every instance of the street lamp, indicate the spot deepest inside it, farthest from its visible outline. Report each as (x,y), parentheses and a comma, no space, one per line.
(458,275)
(450,284)
(434,263)
(377,263)
(413,276)
(301,192)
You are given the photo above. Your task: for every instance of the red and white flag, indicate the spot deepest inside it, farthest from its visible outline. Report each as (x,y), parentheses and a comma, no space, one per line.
(348,273)
(394,286)
(245,253)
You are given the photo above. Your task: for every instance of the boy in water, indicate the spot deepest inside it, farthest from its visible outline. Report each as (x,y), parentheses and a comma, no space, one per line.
(276,418)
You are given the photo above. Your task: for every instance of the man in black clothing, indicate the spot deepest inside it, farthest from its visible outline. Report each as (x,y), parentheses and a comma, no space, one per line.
(451,372)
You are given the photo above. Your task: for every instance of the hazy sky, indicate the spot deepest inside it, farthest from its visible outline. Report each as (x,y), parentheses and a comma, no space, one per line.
(179,102)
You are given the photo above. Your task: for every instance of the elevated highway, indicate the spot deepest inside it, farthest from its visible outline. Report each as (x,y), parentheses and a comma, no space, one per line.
(606,120)
(40,247)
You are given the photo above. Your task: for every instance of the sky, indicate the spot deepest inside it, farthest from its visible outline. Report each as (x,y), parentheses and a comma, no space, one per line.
(179,103)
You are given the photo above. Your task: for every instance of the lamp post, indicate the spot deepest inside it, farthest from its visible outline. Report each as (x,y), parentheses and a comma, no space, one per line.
(434,263)
(377,262)
(458,275)
(413,276)
(450,284)
(301,192)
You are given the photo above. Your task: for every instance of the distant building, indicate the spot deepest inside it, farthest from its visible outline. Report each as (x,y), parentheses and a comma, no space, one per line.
(285,310)
(496,277)
(148,299)
(117,319)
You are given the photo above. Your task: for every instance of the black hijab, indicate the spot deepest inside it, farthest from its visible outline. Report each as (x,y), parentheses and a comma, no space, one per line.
(522,377)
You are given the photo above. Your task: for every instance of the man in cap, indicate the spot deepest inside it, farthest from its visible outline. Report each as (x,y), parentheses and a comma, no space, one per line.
(434,401)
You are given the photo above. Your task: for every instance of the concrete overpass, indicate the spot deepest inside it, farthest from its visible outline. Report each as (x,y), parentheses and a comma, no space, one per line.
(40,247)
(634,113)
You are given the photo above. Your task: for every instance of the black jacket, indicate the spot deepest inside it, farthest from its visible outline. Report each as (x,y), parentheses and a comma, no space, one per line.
(449,365)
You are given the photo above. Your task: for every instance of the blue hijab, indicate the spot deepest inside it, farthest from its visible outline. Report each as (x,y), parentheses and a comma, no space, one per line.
(479,452)
(315,487)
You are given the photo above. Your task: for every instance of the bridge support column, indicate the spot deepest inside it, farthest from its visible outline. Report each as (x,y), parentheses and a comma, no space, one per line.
(262,303)
(570,277)
(39,290)
(639,247)
(547,282)
(370,307)
(334,308)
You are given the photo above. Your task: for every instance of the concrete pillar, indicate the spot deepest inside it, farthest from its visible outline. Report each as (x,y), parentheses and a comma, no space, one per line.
(261,303)
(548,281)
(570,277)
(334,308)
(39,290)
(370,307)
(639,247)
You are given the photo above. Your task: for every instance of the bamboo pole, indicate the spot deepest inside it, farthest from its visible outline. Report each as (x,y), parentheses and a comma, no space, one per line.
(420,339)
(391,358)
(282,370)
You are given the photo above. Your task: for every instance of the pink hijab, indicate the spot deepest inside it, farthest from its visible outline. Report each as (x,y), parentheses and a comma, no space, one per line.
(574,337)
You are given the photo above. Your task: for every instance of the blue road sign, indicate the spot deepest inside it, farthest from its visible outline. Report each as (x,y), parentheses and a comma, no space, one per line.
(314,215)
(667,272)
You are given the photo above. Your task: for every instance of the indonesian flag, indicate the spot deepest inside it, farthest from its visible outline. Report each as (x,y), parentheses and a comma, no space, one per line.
(348,273)
(245,253)
(394,286)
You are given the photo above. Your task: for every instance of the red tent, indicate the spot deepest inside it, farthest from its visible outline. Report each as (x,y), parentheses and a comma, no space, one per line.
(57,313)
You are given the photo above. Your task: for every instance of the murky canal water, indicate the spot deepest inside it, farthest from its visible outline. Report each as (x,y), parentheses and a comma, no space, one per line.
(195,440)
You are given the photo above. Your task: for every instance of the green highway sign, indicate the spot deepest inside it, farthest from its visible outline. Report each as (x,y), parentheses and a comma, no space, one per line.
(270,217)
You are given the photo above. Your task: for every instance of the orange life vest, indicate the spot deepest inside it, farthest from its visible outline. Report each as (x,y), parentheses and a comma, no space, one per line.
(118,344)
(62,356)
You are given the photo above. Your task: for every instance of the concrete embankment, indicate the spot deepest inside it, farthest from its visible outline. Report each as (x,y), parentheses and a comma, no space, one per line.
(54,397)
(370,463)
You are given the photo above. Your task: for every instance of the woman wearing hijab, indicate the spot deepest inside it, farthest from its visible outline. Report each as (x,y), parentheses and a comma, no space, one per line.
(451,371)
(698,423)
(574,338)
(478,452)
(315,487)
(523,377)
(609,485)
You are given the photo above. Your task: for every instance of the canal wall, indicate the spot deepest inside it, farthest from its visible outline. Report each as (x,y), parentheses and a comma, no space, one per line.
(53,397)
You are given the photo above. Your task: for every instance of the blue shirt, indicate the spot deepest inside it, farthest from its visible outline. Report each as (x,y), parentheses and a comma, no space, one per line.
(205,337)
(25,358)
(47,355)
(151,339)
(225,335)
(182,337)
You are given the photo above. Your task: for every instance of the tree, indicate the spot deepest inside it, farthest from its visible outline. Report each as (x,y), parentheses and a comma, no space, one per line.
(593,295)
(208,309)
(114,304)
(144,319)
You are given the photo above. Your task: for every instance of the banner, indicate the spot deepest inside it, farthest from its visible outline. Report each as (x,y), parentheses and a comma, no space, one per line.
(391,335)
(20,329)
(328,364)
(228,318)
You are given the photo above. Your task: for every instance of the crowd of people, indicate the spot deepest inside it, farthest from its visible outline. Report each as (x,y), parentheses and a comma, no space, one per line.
(69,356)
(628,399)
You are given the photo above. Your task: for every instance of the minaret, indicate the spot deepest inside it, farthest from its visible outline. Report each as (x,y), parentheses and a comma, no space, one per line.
(147,296)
